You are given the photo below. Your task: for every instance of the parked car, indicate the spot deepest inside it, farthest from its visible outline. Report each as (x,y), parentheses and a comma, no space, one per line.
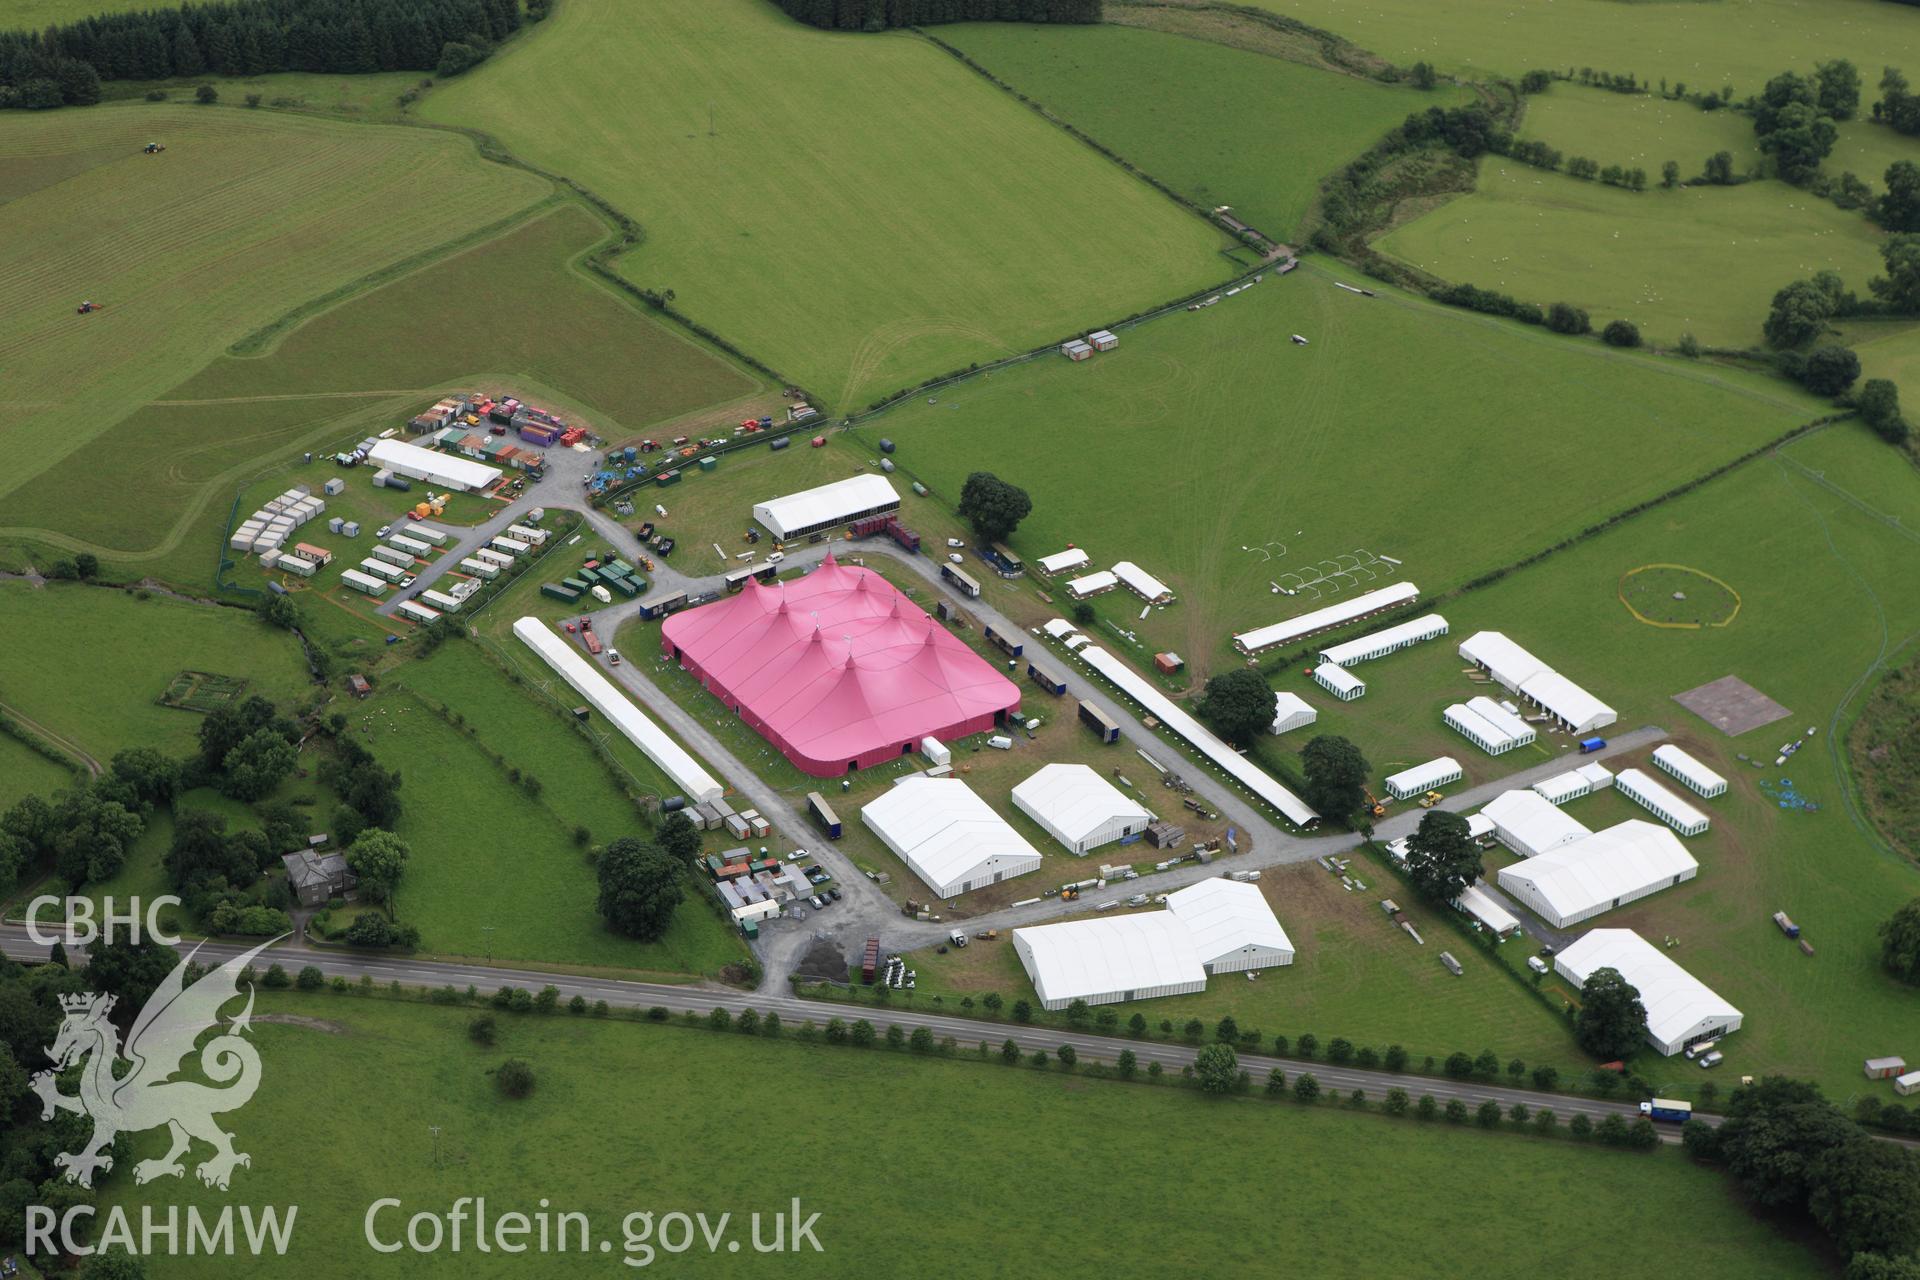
(1713,1059)
(613,656)
(817,902)
(833,893)
(383,531)
(775,557)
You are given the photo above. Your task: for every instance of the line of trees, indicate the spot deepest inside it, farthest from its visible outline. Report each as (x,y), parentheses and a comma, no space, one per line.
(66,63)
(880,15)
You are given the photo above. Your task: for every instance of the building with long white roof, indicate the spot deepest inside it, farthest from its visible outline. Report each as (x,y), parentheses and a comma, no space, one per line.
(1262,784)
(431,466)
(1689,770)
(1079,808)
(1681,1009)
(1379,644)
(1605,870)
(1142,583)
(1662,802)
(1529,824)
(1216,926)
(654,742)
(795,515)
(1341,611)
(947,835)
(1519,672)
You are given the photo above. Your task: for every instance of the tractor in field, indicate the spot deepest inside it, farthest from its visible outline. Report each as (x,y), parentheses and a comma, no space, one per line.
(87,308)
(153,148)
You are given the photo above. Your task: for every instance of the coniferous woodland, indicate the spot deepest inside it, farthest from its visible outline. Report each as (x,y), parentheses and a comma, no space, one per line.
(878,15)
(65,64)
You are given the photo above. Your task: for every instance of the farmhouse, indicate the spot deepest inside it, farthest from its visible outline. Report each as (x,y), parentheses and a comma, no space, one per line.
(1225,758)
(1599,872)
(1142,583)
(1079,808)
(1401,635)
(674,760)
(1216,926)
(1291,711)
(947,835)
(1519,672)
(1647,792)
(1062,561)
(1333,615)
(813,510)
(1681,1009)
(1529,825)
(434,468)
(838,669)
(1423,778)
(315,878)
(1684,767)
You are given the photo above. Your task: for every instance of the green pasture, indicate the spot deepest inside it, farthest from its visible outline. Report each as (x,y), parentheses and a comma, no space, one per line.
(488,854)
(1702,260)
(33,14)
(1222,126)
(600,1104)
(1705,45)
(524,322)
(1229,457)
(858,211)
(1869,149)
(1355,974)
(244,214)
(1888,349)
(1829,588)
(25,772)
(1641,130)
(88,662)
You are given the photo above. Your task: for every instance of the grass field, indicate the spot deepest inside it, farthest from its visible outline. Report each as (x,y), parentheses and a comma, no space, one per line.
(25,772)
(918,218)
(1229,457)
(1703,260)
(1828,588)
(316,1051)
(487,854)
(245,214)
(1882,748)
(363,366)
(1227,126)
(1643,130)
(129,650)
(1355,974)
(1737,42)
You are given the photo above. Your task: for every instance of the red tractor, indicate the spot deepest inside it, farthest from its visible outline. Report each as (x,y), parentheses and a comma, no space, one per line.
(86,308)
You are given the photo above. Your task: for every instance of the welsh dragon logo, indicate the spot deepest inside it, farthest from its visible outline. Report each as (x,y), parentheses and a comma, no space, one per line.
(147,1095)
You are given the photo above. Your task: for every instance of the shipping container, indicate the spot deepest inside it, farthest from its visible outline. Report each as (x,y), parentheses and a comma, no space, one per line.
(1100,722)
(664,605)
(559,591)
(1013,645)
(960,578)
(625,586)
(1046,679)
(821,812)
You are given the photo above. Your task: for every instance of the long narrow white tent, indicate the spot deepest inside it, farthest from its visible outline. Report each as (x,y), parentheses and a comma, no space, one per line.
(673,759)
(1252,777)
(1518,671)
(1298,628)
(1387,640)
(1681,1009)
(442,469)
